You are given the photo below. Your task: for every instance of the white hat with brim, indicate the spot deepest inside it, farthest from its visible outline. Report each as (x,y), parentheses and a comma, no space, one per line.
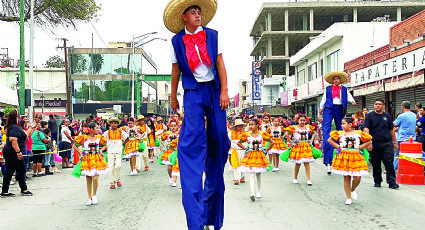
(330,76)
(175,8)
(239,122)
(112,119)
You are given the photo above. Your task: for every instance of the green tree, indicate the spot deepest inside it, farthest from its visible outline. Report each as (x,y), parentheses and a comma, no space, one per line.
(55,62)
(78,64)
(51,13)
(96,62)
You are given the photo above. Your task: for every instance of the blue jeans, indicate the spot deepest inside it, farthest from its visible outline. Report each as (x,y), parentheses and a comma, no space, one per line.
(47,158)
(27,158)
(396,156)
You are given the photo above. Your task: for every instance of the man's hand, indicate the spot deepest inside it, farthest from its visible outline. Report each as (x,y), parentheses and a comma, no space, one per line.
(224,100)
(354,103)
(321,111)
(396,146)
(174,103)
(369,147)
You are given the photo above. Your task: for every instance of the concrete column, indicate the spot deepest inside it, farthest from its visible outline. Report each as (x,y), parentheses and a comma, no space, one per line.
(286,20)
(345,18)
(355,15)
(399,14)
(269,22)
(269,48)
(311,19)
(287,68)
(286,46)
(305,22)
(270,70)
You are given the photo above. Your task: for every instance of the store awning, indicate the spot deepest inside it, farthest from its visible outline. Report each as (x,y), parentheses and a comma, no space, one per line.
(410,81)
(8,97)
(370,88)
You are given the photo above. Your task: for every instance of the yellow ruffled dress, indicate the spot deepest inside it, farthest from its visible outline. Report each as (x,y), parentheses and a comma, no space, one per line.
(176,169)
(301,153)
(92,163)
(349,161)
(235,152)
(255,160)
(173,141)
(131,148)
(279,145)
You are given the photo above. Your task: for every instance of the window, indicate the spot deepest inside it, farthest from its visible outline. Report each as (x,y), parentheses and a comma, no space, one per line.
(300,77)
(312,72)
(332,62)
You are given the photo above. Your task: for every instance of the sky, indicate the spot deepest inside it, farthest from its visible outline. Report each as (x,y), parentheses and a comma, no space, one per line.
(120,20)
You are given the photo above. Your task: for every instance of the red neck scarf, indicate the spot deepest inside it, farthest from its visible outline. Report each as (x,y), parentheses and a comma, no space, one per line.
(336,91)
(198,39)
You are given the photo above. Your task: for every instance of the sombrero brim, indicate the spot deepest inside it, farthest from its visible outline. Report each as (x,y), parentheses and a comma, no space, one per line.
(116,120)
(240,124)
(329,77)
(175,8)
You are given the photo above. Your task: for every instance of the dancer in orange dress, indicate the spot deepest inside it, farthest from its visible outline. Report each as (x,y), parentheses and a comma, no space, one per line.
(279,146)
(131,149)
(170,139)
(255,161)
(92,162)
(266,122)
(301,152)
(236,153)
(349,160)
(151,139)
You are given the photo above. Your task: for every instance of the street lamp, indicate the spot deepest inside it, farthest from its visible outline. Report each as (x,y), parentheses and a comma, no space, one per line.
(135,44)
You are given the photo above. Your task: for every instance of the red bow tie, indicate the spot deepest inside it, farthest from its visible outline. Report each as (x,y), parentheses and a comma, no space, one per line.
(336,91)
(198,39)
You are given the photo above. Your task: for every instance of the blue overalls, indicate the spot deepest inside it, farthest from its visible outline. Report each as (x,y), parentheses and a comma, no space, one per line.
(332,112)
(202,150)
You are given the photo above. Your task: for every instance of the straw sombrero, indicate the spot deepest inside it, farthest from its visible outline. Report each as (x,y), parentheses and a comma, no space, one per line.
(140,117)
(159,119)
(329,77)
(175,8)
(111,119)
(239,122)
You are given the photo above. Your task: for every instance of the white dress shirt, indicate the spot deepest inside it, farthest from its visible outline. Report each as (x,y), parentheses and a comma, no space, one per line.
(202,73)
(336,100)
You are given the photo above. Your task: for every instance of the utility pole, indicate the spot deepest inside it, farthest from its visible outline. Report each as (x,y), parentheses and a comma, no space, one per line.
(22,60)
(68,94)
(31,72)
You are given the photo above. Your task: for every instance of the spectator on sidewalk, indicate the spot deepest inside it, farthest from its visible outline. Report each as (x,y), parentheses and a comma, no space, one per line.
(406,123)
(65,145)
(420,125)
(53,126)
(418,106)
(379,125)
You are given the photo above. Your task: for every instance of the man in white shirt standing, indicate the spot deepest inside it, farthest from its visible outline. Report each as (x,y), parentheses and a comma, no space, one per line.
(333,106)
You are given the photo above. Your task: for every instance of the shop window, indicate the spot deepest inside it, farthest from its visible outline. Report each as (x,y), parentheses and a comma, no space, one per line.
(312,72)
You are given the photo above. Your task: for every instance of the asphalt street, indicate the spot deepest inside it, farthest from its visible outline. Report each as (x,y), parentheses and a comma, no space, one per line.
(146,201)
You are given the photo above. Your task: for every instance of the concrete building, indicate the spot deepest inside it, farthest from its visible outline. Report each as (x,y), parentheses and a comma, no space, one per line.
(328,52)
(282,29)
(394,72)
(49,88)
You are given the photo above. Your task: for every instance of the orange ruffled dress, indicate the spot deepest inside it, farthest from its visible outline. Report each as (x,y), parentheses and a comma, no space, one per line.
(132,146)
(172,141)
(92,163)
(301,153)
(151,140)
(176,169)
(350,162)
(255,160)
(235,152)
(277,133)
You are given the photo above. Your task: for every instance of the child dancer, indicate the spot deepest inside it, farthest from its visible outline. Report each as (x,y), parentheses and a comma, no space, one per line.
(169,139)
(255,161)
(132,147)
(349,161)
(235,152)
(279,146)
(266,122)
(115,138)
(151,139)
(92,162)
(301,152)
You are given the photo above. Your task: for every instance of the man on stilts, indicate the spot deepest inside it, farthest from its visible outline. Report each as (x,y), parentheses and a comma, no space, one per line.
(196,57)
(333,106)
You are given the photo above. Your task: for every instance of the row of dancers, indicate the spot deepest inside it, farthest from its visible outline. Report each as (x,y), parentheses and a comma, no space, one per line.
(250,146)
